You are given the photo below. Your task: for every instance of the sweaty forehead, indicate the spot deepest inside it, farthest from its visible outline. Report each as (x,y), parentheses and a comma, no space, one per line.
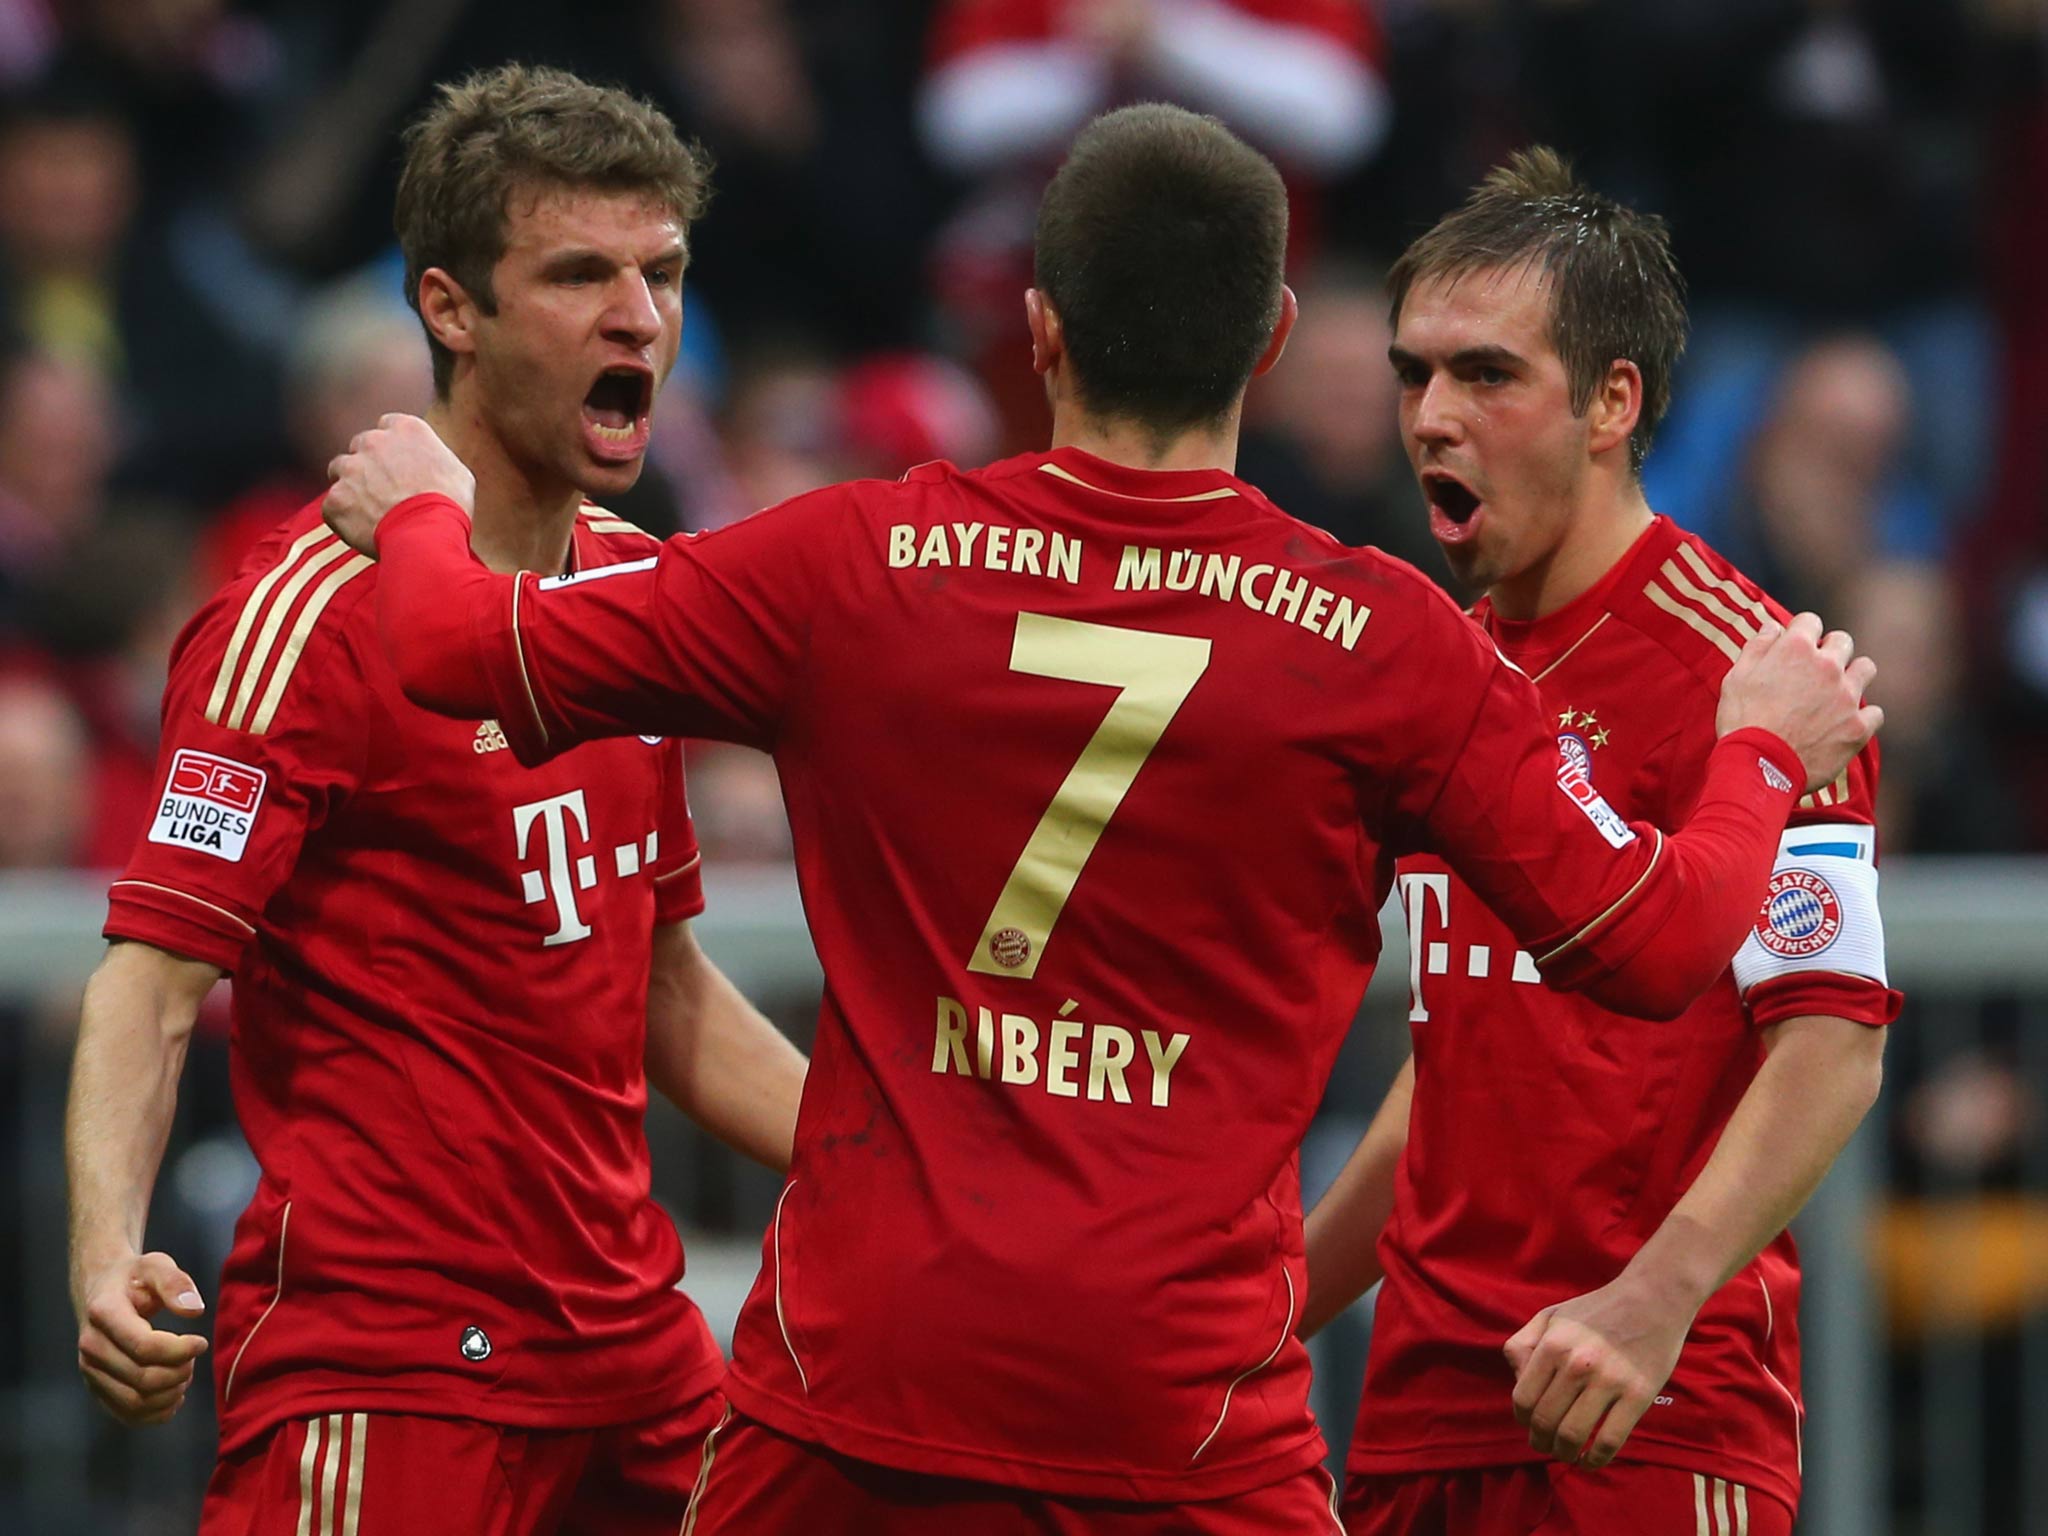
(540,217)
(1505,306)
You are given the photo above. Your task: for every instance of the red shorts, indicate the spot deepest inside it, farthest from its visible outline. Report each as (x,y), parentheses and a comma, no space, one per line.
(1550,1499)
(365,1474)
(759,1482)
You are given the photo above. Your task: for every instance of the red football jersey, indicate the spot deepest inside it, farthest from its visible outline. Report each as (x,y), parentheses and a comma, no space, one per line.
(1095,776)
(440,966)
(1548,1136)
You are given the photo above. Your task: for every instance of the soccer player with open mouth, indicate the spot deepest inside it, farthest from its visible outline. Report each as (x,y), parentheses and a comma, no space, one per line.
(452,1305)
(1604,1199)
(1096,765)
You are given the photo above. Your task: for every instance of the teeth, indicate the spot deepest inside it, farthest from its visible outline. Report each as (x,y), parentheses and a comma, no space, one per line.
(614,434)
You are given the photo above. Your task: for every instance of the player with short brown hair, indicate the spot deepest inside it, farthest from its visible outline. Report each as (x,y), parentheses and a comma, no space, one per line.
(1548,1174)
(451,1305)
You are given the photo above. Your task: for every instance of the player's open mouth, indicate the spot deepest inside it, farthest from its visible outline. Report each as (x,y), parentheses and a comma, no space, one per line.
(616,410)
(1454,507)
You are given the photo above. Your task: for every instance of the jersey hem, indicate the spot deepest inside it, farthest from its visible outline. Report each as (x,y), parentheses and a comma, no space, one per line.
(1436,1456)
(386,1394)
(906,1453)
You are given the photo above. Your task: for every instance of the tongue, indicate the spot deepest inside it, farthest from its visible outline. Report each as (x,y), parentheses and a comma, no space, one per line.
(608,416)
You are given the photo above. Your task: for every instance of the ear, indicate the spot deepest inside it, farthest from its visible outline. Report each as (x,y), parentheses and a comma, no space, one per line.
(450,314)
(1048,338)
(1290,311)
(1616,407)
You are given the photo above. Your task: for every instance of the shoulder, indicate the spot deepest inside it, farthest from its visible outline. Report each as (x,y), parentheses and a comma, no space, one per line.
(1681,595)
(611,537)
(282,619)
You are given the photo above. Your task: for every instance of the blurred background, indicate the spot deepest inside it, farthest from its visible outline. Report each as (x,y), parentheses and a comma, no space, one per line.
(200,302)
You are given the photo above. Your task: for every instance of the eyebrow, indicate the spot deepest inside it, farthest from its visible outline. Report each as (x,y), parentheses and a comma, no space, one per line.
(1464,357)
(584,255)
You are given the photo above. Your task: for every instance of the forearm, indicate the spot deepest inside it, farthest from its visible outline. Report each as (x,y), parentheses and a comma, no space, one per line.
(132,1038)
(1343,1231)
(1819,1079)
(431,595)
(716,1058)
(1665,944)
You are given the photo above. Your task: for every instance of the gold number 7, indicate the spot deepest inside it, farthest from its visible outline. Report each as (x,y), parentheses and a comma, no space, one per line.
(1154,674)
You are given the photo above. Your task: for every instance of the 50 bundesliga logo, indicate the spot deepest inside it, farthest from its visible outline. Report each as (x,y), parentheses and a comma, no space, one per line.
(1801,915)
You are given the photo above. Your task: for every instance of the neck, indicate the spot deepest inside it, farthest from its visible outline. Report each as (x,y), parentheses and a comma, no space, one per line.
(1136,447)
(1597,535)
(521,521)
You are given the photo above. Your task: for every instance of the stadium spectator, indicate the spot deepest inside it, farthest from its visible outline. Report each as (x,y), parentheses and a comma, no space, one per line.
(45,800)
(58,431)
(1320,434)
(355,355)
(1822,479)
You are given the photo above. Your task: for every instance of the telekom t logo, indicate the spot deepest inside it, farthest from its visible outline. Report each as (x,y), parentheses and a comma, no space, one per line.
(555,878)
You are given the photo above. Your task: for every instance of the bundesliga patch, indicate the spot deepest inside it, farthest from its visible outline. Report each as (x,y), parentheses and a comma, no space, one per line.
(1572,779)
(1802,915)
(209,805)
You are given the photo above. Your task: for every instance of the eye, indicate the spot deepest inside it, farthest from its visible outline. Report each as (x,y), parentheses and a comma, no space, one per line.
(1495,376)
(1411,375)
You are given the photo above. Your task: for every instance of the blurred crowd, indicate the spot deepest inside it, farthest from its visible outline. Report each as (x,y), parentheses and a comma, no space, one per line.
(199,301)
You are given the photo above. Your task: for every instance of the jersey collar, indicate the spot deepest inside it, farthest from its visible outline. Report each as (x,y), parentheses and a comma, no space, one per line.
(1536,645)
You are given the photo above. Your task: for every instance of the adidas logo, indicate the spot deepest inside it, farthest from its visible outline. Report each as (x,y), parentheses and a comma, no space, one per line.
(1772,775)
(490,737)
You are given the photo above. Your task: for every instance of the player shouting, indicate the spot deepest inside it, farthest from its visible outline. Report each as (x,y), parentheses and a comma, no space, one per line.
(1538,1146)
(1096,763)
(451,1304)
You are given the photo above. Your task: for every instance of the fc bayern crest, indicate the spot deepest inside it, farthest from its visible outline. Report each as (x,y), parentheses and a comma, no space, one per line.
(1571,746)
(1801,915)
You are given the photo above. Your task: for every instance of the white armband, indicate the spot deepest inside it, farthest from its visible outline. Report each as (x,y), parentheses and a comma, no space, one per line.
(1820,913)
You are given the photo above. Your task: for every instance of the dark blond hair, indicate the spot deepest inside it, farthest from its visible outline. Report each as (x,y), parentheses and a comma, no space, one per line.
(520,126)
(1615,290)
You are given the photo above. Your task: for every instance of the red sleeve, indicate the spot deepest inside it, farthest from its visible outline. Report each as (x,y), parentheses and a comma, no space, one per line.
(679,867)
(1641,922)
(702,640)
(262,738)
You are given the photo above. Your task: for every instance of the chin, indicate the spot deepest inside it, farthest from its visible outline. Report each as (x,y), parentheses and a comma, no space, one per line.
(599,480)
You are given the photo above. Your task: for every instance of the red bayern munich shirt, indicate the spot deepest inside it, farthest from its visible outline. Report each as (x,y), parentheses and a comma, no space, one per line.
(440,965)
(1549,1137)
(1095,777)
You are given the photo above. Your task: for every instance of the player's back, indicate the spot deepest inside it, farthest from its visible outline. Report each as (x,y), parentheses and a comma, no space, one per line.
(1079,768)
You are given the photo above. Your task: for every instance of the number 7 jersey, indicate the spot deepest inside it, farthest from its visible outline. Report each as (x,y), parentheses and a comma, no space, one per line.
(1095,777)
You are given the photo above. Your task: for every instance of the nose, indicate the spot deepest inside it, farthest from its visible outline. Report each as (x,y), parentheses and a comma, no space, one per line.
(1434,418)
(633,317)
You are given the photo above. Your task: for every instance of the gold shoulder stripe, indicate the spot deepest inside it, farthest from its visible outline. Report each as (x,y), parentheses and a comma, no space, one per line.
(1218,494)
(288,658)
(1744,629)
(273,621)
(616,525)
(1685,615)
(1734,592)
(250,609)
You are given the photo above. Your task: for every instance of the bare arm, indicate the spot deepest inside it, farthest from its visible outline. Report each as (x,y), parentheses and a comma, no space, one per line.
(1610,1351)
(1343,1231)
(712,1054)
(137,1021)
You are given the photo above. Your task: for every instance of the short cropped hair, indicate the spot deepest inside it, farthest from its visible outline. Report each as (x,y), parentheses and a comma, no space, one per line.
(1615,290)
(1162,243)
(525,127)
